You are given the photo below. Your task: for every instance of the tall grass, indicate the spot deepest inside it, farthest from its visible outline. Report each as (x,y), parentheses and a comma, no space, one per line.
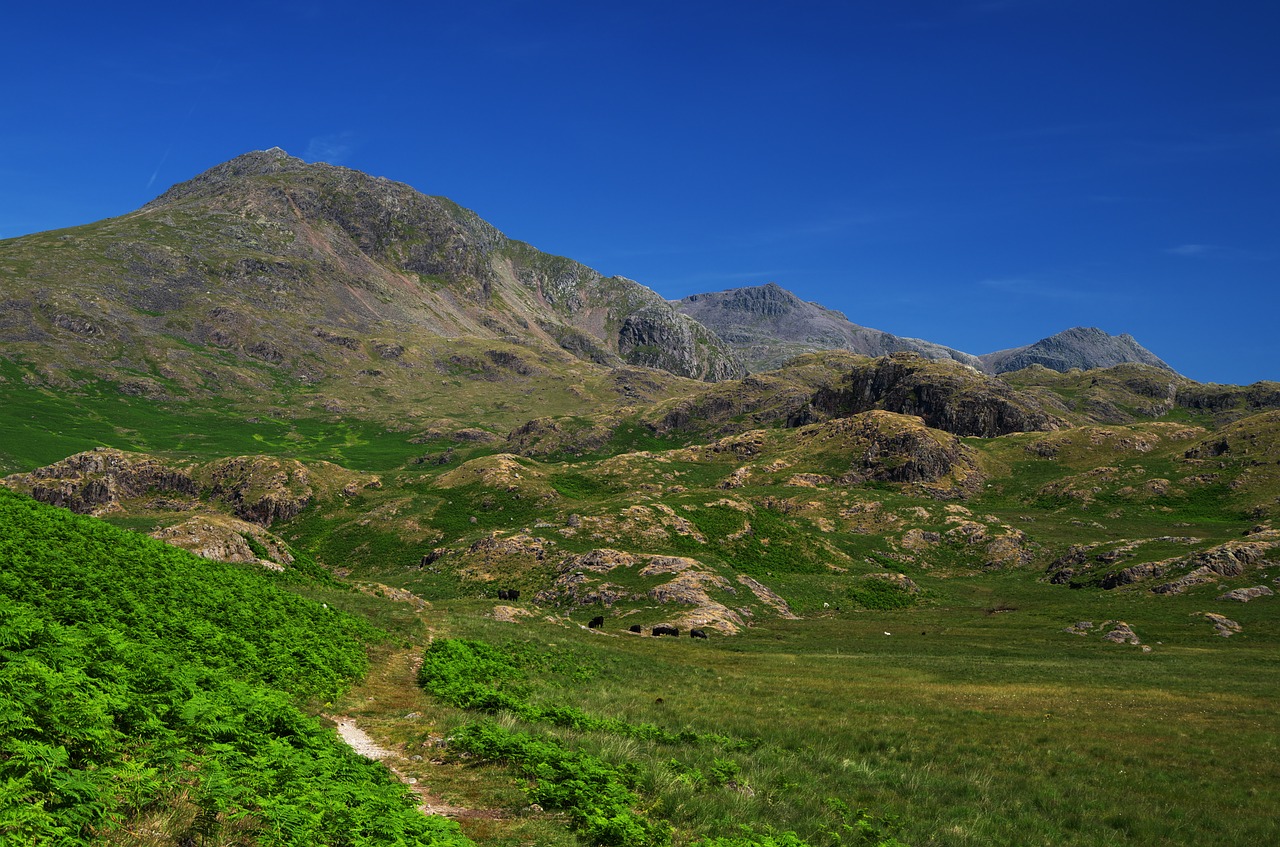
(962,727)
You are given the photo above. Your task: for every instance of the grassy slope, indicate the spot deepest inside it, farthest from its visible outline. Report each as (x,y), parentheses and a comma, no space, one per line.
(145,690)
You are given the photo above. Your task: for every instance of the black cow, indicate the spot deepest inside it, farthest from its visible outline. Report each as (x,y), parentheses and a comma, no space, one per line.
(504,594)
(513,593)
(697,633)
(636,628)
(666,630)
(596,623)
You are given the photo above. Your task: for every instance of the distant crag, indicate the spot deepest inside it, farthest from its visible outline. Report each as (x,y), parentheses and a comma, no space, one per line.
(1082,347)
(767,325)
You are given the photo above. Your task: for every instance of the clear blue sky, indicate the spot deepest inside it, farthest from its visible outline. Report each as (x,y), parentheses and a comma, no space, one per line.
(980,173)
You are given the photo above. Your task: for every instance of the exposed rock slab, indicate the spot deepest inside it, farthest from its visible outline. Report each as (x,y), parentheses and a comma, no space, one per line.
(1244,595)
(1223,625)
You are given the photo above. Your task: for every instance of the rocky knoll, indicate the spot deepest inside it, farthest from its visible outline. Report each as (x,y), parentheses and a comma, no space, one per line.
(888,447)
(1255,439)
(264,489)
(95,482)
(946,395)
(259,489)
(706,599)
(1223,561)
(657,337)
(226,539)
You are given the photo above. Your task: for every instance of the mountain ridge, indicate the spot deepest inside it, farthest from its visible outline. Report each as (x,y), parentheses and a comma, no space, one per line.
(278,260)
(768,324)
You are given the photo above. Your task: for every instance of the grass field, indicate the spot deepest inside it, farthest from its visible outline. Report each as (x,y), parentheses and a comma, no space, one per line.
(978,721)
(968,718)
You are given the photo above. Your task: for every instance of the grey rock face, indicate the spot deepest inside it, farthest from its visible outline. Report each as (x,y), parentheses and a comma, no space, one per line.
(1081,347)
(659,337)
(768,325)
(1244,595)
(947,395)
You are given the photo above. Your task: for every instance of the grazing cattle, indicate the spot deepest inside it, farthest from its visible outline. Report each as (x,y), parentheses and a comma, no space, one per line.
(513,593)
(504,594)
(596,623)
(666,630)
(635,627)
(697,633)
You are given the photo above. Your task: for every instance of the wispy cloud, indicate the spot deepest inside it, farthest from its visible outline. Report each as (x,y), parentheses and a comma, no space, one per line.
(1040,289)
(1204,146)
(159,165)
(992,7)
(332,149)
(1191,250)
(1219,252)
(820,227)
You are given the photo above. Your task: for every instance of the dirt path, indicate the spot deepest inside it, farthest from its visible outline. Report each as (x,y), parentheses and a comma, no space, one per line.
(365,745)
(429,804)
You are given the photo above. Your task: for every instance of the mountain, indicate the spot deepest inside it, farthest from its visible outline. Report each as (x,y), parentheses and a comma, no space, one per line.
(346,389)
(267,268)
(767,325)
(1082,347)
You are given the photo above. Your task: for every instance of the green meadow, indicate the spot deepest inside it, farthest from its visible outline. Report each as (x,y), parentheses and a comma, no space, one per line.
(973,719)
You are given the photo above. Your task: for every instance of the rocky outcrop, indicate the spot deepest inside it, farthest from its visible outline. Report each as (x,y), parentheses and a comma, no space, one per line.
(946,395)
(1222,625)
(768,596)
(888,447)
(704,596)
(1082,347)
(519,544)
(95,482)
(1223,561)
(1120,633)
(549,436)
(1244,595)
(226,539)
(659,337)
(261,489)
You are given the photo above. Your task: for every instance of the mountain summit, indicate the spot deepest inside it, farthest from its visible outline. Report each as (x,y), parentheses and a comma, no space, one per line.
(1080,347)
(767,325)
(320,271)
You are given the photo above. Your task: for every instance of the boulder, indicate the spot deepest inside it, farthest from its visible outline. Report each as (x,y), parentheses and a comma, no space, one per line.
(1222,625)
(1120,633)
(1244,595)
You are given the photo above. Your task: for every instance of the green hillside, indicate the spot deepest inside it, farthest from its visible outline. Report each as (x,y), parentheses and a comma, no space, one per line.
(144,689)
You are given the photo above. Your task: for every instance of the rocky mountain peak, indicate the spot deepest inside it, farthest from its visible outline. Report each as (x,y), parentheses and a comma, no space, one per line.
(768,324)
(251,164)
(278,260)
(1083,347)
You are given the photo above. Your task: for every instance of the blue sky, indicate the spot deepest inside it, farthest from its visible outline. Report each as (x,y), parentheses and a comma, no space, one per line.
(980,173)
